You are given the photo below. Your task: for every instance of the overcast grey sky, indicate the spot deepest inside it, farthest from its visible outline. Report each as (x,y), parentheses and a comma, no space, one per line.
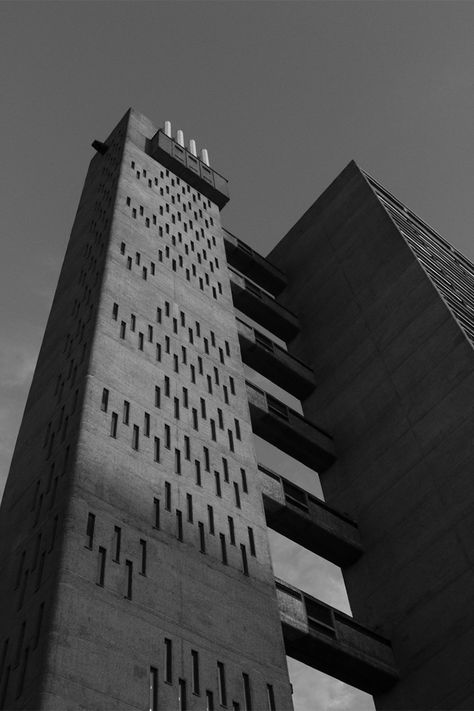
(283,94)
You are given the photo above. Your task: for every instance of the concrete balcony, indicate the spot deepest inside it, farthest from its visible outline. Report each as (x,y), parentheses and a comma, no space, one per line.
(262,307)
(276,364)
(288,430)
(308,521)
(324,638)
(188,167)
(246,260)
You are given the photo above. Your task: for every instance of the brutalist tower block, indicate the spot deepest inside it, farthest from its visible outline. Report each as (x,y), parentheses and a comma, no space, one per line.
(134,548)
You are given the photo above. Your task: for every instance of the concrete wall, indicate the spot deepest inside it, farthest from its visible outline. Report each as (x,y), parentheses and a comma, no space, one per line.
(395,379)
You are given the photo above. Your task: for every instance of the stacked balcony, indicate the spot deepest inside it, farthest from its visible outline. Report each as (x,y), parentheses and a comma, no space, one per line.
(288,430)
(314,633)
(308,521)
(328,640)
(260,306)
(266,357)
(245,259)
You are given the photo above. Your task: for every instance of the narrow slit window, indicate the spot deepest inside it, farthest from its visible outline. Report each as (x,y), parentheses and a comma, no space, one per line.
(209,700)
(202,537)
(223,548)
(101,567)
(146,426)
(271,698)
(221,684)
(179,525)
(195,670)
(89,532)
(225,466)
(237,494)
(129,579)
(167,437)
(156,449)
(135,437)
(177,461)
(251,542)
(210,515)
(245,567)
(126,412)
(217,478)
(244,481)
(113,425)
(168,661)
(197,467)
(167,496)
(247,692)
(231,530)
(105,400)
(156,513)
(231,440)
(187,448)
(153,702)
(182,695)
(157,396)
(189,504)
(142,557)
(237,428)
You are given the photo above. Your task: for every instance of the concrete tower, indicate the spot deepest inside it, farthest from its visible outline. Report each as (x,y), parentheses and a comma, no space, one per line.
(136,568)
(386,309)
(134,550)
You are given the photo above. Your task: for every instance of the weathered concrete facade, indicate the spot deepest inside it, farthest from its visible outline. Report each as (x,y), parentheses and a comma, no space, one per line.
(159,571)
(395,375)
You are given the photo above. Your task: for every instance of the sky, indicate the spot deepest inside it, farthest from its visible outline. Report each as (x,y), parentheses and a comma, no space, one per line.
(283,95)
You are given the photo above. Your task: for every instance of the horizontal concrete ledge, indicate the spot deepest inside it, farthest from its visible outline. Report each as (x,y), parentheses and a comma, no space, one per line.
(324,638)
(265,356)
(308,521)
(252,264)
(188,167)
(288,430)
(262,307)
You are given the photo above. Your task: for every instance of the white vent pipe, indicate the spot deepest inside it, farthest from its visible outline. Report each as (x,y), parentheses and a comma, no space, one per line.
(168,128)
(204,156)
(180,137)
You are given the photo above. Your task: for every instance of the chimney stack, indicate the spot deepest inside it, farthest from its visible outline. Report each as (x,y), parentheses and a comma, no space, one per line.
(180,137)
(168,128)
(192,147)
(204,156)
